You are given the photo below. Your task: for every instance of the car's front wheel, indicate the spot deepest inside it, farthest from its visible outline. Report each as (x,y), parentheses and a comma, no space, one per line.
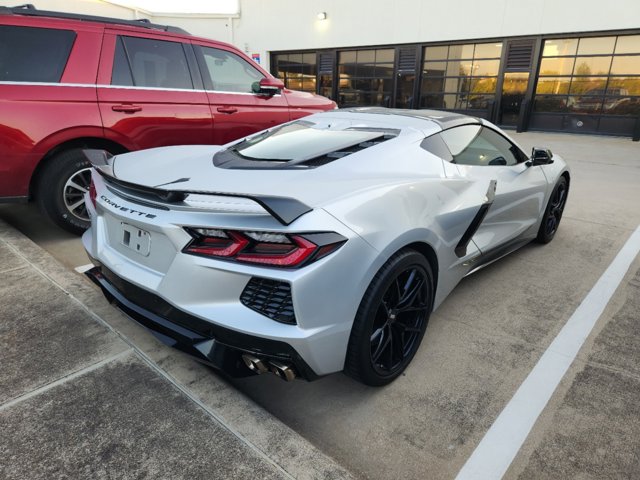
(553,212)
(391,319)
(61,188)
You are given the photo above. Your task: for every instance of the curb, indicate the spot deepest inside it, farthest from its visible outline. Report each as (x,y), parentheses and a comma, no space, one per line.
(278,444)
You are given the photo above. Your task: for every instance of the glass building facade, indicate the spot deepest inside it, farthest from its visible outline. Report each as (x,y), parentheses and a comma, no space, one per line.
(460,77)
(588,83)
(365,77)
(297,70)
(591,84)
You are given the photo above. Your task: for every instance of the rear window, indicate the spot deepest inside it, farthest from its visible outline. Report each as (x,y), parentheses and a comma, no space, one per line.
(300,144)
(29,54)
(146,62)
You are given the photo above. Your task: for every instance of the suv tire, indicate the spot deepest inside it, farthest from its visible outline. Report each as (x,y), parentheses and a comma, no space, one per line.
(60,190)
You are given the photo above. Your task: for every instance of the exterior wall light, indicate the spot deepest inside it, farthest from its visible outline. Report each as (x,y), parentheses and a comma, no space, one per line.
(322,15)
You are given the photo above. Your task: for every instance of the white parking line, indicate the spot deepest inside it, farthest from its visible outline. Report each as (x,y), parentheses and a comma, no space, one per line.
(499,446)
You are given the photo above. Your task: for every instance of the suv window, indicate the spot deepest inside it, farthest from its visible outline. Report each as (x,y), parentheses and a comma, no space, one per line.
(228,72)
(29,54)
(121,73)
(144,62)
(475,145)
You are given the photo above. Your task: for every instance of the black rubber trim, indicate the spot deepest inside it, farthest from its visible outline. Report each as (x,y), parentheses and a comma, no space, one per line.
(497,253)
(18,199)
(284,209)
(212,344)
(461,247)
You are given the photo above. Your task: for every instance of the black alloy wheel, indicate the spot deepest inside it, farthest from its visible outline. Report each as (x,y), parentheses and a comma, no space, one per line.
(391,319)
(399,320)
(553,212)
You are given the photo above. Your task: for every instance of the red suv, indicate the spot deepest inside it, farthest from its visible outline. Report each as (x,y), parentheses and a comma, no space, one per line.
(70,82)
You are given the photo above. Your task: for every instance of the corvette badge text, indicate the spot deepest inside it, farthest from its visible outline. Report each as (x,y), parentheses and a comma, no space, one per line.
(126,209)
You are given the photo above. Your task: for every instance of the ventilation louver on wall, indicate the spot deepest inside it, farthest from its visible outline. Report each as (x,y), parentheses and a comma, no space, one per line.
(407,59)
(325,63)
(519,56)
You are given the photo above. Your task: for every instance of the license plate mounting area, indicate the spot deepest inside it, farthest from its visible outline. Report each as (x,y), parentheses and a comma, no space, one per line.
(136,239)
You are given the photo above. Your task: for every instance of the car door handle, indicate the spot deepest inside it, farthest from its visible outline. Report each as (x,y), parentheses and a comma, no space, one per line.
(126,108)
(227,109)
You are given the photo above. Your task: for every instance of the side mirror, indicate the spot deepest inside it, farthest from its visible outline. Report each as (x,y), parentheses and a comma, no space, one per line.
(267,86)
(540,156)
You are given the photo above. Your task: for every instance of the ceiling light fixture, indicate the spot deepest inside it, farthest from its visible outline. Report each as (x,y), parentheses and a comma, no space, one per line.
(322,15)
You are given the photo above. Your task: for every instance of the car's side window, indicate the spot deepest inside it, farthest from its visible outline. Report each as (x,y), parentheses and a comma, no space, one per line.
(475,145)
(435,144)
(459,139)
(29,54)
(228,72)
(146,62)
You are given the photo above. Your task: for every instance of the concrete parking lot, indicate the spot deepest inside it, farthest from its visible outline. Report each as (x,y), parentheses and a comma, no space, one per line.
(480,346)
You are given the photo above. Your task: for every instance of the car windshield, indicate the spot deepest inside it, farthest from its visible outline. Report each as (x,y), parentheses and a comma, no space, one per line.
(300,141)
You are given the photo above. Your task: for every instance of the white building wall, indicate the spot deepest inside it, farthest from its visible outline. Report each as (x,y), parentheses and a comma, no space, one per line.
(274,25)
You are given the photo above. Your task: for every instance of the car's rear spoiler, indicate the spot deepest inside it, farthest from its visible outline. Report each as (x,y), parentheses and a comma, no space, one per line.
(284,209)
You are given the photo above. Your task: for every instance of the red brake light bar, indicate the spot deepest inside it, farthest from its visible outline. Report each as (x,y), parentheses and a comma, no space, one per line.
(264,248)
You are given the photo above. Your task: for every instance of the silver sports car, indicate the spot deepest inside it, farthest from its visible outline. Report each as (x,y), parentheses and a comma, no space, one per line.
(318,246)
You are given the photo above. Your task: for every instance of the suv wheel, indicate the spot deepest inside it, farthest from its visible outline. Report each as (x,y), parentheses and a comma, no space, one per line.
(61,188)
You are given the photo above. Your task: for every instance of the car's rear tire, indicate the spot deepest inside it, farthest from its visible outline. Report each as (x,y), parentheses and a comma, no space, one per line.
(553,213)
(60,190)
(392,315)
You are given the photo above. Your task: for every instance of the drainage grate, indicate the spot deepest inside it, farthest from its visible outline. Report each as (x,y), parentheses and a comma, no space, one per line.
(270,298)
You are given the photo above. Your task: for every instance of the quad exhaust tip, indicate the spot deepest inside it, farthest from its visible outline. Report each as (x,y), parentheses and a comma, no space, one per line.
(254,364)
(279,369)
(282,370)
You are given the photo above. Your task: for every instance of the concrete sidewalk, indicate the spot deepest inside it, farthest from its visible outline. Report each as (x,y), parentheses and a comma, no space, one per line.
(87,393)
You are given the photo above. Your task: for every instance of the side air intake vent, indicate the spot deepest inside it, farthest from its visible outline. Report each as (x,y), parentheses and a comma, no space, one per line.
(519,56)
(271,298)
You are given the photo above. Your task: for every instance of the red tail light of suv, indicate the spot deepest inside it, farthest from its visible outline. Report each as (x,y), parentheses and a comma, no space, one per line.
(71,82)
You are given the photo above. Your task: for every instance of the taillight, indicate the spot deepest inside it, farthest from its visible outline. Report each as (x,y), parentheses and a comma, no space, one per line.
(264,248)
(217,243)
(92,193)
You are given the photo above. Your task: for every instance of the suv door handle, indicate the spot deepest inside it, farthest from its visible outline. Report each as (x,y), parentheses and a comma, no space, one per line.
(126,108)
(227,109)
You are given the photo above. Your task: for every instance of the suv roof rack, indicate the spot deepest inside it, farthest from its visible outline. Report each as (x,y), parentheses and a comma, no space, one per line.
(30,10)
